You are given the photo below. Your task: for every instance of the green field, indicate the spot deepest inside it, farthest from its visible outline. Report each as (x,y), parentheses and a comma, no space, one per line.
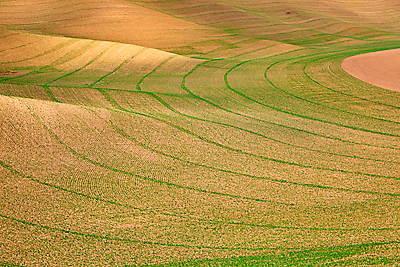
(196,133)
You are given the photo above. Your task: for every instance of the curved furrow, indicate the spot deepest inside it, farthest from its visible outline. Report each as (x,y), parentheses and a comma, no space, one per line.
(130,73)
(60,188)
(238,151)
(141,80)
(183,216)
(313,35)
(235,127)
(304,63)
(125,240)
(126,61)
(57,187)
(120,131)
(321,57)
(96,57)
(255,155)
(324,10)
(257,134)
(355,254)
(90,62)
(284,32)
(120,239)
(392,133)
(219,106)
(340,88)
(108,61)
(170,132)
(372,91)
(269,158)
(138,85)
(14,40)
(62,42)
(284,227)
(298,183)
(212,221)
(105,166)
(82,194)
(67,51)
(341,103)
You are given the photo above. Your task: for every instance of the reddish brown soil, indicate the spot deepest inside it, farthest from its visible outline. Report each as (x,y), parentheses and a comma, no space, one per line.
(379,68)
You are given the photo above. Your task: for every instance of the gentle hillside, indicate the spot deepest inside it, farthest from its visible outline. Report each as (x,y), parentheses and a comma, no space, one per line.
(196,133)
(111,20)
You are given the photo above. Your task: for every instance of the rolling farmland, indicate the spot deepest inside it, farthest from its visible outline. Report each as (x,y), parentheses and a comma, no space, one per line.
(199,133)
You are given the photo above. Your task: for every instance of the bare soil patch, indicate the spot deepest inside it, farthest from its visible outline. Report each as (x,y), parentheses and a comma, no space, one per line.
(379,68)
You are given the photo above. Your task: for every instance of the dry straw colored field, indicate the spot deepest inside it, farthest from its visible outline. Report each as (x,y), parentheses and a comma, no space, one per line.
(198,133)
